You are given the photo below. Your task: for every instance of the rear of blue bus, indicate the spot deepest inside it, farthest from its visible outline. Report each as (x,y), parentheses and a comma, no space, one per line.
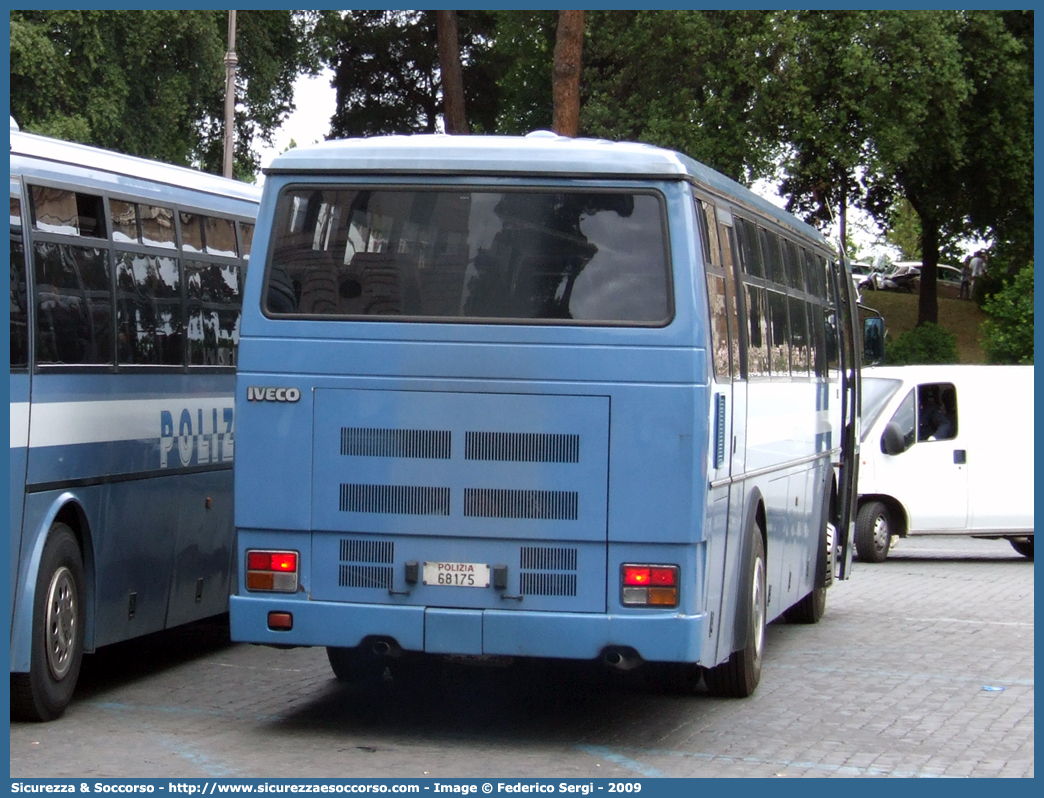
(473,406)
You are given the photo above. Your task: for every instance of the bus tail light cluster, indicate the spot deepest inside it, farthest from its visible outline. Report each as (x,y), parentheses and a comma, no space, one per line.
(272,570)
(649,585)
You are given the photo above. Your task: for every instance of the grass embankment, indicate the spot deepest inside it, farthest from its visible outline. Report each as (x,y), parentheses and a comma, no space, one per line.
(959,316)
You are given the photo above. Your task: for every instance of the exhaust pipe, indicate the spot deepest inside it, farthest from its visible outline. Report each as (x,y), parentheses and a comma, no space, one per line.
(622,659)
(386,648)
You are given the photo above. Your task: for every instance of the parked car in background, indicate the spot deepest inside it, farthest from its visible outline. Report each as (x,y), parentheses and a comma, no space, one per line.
(860,273)
(934,460)
(905,275)
(947,281)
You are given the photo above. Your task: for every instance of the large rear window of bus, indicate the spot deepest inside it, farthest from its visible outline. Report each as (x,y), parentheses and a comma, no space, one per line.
(550,256)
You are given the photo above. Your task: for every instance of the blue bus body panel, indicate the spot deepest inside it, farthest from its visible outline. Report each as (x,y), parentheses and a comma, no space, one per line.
(19,443)
(372,460)
(136,459)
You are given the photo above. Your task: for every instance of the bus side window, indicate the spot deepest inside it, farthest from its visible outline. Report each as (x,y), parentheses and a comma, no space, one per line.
(718,299)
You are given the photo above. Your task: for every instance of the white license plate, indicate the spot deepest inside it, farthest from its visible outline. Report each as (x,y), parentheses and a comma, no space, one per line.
(456,574)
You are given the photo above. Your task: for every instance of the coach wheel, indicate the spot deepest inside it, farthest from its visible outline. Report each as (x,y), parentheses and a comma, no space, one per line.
(739,675)
(59,615)
(812,607)
(1023,546)
(360,665)
(873,534)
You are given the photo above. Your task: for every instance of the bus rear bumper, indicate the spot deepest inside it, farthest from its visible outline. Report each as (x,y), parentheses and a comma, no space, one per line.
(655,637)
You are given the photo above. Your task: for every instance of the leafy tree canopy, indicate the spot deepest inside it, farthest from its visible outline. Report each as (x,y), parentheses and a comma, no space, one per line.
(151,83)
(386,71)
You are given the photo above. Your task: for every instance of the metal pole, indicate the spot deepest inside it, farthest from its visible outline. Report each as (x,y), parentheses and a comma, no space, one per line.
(230,93)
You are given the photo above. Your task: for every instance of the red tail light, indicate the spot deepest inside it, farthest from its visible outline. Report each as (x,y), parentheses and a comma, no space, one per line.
(272,571)
(649,585)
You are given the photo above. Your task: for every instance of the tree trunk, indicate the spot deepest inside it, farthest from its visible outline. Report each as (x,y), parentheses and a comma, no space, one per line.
(452,74)
(928,301)
(566,78)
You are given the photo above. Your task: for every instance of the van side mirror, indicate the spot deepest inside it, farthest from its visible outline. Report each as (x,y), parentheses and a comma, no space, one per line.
(873,340)
(892,440)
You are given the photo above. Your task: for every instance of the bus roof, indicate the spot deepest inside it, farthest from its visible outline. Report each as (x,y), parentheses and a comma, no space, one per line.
(539,154)
(57,151)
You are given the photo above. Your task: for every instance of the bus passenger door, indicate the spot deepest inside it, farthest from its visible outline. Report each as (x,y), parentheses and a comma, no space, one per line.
(20,381)
(726,430)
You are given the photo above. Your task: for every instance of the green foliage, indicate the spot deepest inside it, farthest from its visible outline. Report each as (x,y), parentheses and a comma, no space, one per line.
(686,80)
(525,46)
(387,76)
(925,343)
(151,83)
(1007,335)
(905,231)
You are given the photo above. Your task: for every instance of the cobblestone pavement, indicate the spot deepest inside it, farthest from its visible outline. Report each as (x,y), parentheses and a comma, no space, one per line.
(922,666)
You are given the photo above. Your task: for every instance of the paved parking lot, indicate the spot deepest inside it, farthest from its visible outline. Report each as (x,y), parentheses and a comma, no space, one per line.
(922,666)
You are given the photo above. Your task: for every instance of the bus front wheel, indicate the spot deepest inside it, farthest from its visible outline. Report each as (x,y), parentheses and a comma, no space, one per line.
(59,615)
(739,675)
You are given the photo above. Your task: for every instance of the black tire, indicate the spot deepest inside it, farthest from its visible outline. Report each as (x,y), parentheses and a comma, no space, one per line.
(673,678)
(1023,546)
(739,675)
(812,607)
(874,530)
(59,617)
(360,665)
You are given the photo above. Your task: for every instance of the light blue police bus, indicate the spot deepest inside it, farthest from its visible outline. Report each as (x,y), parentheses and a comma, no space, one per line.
(538,397)
(126,279)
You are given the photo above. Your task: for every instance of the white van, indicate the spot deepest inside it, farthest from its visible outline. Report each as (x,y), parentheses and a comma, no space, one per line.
(946,450)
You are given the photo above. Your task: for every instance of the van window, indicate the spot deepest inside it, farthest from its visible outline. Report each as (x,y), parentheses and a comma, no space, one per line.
(876,393)
(936,412)
(906,417)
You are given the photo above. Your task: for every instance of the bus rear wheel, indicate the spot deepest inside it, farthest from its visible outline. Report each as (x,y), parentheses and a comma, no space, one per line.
(59,615)
(739,675)
(1023,546)
(359,665)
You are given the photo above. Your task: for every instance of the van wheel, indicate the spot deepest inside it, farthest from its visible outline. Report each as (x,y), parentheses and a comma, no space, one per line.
(739,675)
(1023,546)
(873,533)
(59,616)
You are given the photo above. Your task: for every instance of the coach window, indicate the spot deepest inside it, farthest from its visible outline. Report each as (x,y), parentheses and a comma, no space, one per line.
(124,216)
(157,226)
(213,313)
(799,348)
(246,237)
(774,269)
(73,304)
(219,237)
(148,308)
(65,212)
(191,232)
(718,301)
(779,334)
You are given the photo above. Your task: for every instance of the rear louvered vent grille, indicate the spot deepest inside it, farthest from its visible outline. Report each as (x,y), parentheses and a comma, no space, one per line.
(367,551)
(366,563)
(537,561)
(395,499)
(544,558)
(545,505)
(522,447)
(416,443)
